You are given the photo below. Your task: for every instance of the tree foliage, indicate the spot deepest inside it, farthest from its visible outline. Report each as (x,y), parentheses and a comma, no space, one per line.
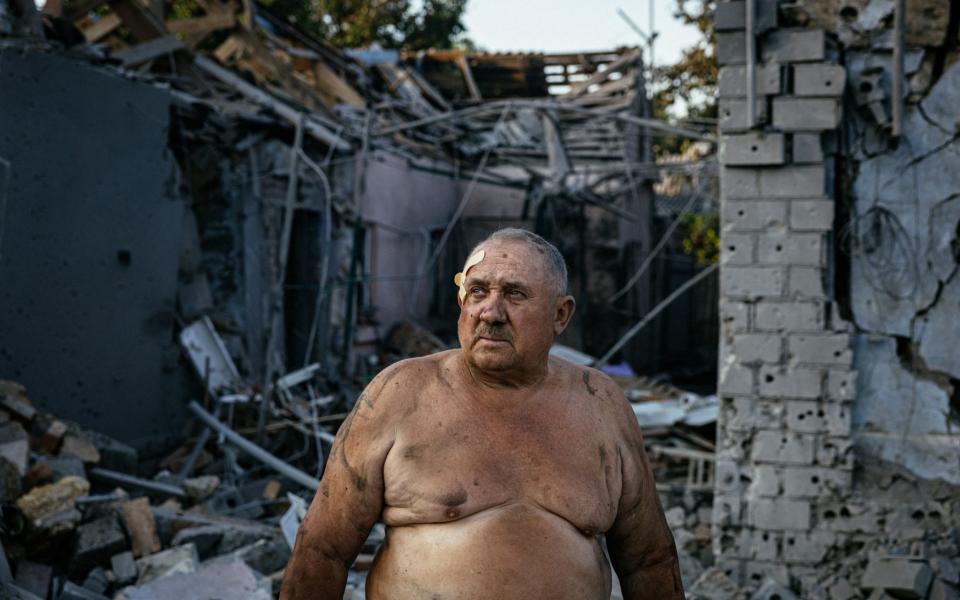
(399,24)
(692,81)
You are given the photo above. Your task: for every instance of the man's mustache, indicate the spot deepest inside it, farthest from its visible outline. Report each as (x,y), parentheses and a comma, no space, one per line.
(492,332)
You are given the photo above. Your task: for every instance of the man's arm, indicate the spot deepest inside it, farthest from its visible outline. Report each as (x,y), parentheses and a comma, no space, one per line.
(348,502)
(641,545)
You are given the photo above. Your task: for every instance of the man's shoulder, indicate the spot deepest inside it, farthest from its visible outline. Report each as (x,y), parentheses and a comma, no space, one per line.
(593,380)
(397,379)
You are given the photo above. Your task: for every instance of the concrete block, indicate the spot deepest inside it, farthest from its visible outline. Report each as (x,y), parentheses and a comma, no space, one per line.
(899,577)
(749,414)
(124,568)
(730,16)
(815,482)
(727,477)
(842,385)
(732,114)
(805,114)
(765,545)
(735,379)
(767,481)
(731,48)
(737,248)
(807,548)
(182,559)
(793,45)
(735,316)
(96,542)
(806,282)
(811,215)
(140,524)
(838,418)
(793,182)
(757,215)
(807,148)
(835,452)
(789,316)
(753,149)
(97,581)
(783,447)
(752,282)
(732,81)
(819,80)
(727,510)
(779,514)
(264,556)
(757,347)
(832,349)
(777,382)
(805,416)
(788,248)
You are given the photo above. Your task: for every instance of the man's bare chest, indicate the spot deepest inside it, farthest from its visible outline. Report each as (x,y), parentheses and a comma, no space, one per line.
(450,462)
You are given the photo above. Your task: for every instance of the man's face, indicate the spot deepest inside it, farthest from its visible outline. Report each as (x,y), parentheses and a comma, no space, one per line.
(511,312)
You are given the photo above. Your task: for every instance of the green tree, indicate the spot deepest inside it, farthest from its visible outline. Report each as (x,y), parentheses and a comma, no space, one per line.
(693,79)
(390,23)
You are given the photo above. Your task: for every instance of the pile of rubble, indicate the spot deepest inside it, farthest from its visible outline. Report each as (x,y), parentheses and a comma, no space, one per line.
(77,522)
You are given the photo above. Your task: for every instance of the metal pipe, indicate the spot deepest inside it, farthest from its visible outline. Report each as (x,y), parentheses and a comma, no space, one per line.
(653,313)
(751,47)
(131,480)
(899,17)
(254,450)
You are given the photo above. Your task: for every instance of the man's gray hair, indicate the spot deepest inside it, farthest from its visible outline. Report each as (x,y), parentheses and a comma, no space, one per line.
(552,257)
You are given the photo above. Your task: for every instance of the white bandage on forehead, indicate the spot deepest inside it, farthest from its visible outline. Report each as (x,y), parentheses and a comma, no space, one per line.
(461,277)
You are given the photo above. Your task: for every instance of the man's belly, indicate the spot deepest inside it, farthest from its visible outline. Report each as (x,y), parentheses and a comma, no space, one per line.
(517,551)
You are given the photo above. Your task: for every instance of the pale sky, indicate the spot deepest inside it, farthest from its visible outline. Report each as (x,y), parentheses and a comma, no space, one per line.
(574,25)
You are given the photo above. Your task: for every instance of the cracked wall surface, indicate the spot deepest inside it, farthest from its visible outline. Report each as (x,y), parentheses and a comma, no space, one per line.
(838,435)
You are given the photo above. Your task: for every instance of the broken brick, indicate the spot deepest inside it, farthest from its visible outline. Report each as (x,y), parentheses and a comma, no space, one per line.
(53,436)
(48,500)
(141,526)
(80,447)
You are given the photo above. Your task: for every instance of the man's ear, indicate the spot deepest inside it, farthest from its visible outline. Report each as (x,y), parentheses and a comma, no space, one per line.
(566,306)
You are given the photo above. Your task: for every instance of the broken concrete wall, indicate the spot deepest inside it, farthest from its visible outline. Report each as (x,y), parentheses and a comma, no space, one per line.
(839,301)
(90,223)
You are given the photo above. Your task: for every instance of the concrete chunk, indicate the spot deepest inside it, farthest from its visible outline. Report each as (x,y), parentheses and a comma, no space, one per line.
(231,580)
(182,559)
(901,578)
(124,568)
(97,541)
(34,577)
(50,499)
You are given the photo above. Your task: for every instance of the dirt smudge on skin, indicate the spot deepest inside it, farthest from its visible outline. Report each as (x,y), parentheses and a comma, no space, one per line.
(586,381)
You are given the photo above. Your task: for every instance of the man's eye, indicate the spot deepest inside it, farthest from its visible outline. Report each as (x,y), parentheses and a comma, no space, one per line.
(476,290)
(516,294)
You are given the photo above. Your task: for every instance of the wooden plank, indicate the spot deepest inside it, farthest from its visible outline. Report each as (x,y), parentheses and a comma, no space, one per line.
(580,88)
(206,24)
(100,28)
(142,23)
(141,53)
(228,49)
(468,78)
(328,82)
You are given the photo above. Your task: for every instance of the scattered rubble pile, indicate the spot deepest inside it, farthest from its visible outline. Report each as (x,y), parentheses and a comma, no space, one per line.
(77,522)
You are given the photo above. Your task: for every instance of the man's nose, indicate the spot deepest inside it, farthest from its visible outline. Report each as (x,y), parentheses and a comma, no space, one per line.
(492,309)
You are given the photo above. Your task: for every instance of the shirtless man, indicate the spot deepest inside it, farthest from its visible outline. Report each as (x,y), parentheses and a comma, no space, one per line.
(495,467)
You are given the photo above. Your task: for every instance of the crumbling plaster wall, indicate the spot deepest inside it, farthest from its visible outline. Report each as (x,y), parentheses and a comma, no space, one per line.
(839,300)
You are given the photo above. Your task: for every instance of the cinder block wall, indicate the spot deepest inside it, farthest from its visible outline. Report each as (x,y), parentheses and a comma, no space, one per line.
(785,378)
